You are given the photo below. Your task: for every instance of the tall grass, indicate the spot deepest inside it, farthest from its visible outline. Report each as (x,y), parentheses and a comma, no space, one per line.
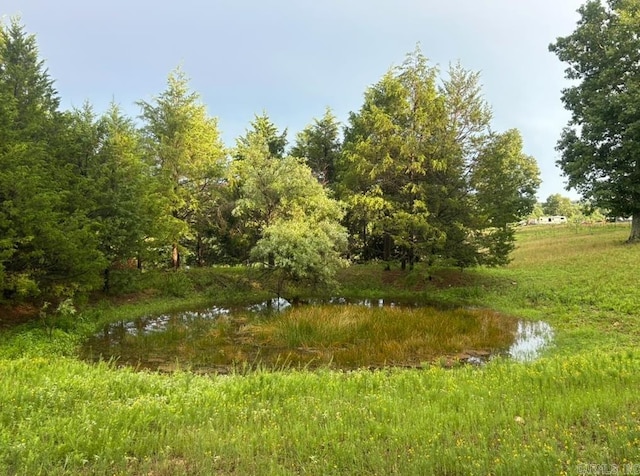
(355,336)
(575,407)
(548,417)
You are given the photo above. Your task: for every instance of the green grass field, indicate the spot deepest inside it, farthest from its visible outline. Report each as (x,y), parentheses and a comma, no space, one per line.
(576,410)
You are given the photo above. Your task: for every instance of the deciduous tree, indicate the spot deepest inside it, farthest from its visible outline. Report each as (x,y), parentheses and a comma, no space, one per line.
(599,147)
(293,225)
(556,204)
(504,181)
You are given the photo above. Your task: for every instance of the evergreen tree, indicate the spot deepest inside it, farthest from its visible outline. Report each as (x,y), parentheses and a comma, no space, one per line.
(48,247)
(184,145)
(126,208)
(420,168)
(262,130)
(393,147)
(319,144)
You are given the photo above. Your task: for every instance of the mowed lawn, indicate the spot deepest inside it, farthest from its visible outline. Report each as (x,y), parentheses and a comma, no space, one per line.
(576,410)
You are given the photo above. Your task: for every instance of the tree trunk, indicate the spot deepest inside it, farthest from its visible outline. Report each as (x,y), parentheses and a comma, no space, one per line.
(634,237)
(412,258)
(199,251)
(175,256)
(387,247)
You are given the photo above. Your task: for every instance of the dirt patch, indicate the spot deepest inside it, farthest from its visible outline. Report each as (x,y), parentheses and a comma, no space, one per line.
(17,314)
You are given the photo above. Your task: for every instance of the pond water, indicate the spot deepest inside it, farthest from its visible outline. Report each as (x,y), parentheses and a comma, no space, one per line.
(531,338)
(226,329)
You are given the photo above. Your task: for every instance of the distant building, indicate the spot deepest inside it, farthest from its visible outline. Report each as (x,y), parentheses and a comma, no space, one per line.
(550,220)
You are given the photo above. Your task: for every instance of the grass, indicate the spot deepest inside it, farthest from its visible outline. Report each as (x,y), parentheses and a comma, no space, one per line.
(65,417)
(353,337)
(576,406)
(310,336)
(582,280)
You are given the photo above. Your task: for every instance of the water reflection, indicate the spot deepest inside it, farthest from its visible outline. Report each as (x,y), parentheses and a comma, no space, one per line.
(277,304)
(149,325)
(531,338)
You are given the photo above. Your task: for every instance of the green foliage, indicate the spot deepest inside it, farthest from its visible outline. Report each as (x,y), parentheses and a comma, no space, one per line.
(575,406)
(546,418)
(302,250)
(505,180)
(177,284)
(294,223)
(421,172)
(319,144)
(127,209)
(598,146)
(390,148)
(556,204)
(47,241)
(262,131)
(53,318)
(185,147)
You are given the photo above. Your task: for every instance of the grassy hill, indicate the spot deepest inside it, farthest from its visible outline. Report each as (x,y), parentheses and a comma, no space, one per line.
(574,411)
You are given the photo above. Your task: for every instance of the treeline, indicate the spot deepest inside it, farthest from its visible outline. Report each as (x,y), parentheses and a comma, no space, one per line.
(577,211)
(417,173)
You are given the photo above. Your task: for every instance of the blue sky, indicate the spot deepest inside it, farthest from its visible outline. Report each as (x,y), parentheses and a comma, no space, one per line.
(292,58)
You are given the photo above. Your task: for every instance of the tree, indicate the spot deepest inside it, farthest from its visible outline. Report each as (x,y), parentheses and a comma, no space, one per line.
(302,249)
(423,175)
(122,206)
(392,146)
(556,204)
(184,144)
(319,144)
(293,226)
(454,211)
(599,152)
(469,113)
(251,177)
(262,130)
(505,181)
(48,247)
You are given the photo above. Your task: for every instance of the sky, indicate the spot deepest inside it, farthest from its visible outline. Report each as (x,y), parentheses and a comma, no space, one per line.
(293,58)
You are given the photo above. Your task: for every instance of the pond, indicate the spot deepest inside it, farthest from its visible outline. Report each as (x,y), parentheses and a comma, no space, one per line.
(337,333)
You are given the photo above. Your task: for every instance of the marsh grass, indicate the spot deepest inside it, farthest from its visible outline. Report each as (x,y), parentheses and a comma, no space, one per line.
(309,336)
(356,336)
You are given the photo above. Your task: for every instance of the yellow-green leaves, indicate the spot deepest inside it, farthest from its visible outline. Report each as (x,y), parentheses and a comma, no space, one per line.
(185,145)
